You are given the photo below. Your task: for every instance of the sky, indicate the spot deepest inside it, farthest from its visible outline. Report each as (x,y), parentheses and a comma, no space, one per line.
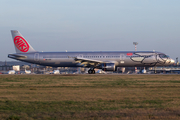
(92,25)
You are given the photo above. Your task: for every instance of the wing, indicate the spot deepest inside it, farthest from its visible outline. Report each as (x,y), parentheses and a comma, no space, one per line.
(88,62)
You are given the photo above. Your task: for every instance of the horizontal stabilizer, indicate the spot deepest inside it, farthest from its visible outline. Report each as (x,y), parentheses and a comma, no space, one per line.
(17,56)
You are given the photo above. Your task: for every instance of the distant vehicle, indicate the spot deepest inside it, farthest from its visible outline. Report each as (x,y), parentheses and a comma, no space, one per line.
(105,60)
(11,72)
(56,72)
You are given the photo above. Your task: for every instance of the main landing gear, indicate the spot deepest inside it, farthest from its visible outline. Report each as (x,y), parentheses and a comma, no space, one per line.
(91,71)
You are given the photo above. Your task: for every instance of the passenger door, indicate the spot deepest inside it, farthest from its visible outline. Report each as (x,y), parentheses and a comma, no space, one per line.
(36,57)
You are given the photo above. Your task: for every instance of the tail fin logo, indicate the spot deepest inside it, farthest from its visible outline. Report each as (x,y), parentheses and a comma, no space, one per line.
(21,44)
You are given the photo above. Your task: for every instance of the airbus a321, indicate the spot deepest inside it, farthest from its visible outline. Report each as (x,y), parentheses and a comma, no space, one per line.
(105,60)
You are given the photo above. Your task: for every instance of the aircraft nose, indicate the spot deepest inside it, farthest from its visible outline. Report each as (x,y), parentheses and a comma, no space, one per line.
(172,61)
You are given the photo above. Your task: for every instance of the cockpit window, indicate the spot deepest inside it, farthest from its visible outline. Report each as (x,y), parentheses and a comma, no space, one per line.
(163,56)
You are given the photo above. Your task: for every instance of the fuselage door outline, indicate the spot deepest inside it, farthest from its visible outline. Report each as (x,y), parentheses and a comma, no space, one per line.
(36,57)
(122,57)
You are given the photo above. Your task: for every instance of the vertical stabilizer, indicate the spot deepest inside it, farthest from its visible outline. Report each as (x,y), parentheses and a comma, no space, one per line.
(20,43)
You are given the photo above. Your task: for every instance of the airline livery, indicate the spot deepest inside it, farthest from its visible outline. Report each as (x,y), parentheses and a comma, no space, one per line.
(107,61)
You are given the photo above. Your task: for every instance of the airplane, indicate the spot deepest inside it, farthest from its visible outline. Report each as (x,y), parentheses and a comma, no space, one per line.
(105,60)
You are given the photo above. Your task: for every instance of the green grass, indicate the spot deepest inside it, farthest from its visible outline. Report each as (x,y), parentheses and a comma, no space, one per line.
(55,97)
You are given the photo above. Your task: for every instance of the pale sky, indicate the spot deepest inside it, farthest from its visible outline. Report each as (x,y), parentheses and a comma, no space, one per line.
(92,25)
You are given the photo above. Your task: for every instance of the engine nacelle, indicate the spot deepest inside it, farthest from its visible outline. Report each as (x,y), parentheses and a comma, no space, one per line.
(107,67)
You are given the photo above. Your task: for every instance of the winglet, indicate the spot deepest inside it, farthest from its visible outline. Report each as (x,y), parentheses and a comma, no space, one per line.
(20,43)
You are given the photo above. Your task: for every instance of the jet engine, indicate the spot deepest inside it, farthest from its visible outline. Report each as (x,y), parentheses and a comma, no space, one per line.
(107,67)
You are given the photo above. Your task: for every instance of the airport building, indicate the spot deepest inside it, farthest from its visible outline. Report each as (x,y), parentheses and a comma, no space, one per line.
(37,69)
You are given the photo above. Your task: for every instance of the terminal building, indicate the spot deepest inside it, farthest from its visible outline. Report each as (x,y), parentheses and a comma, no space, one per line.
(37,69)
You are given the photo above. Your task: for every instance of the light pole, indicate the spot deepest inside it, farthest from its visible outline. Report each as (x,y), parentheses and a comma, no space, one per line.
(135,43)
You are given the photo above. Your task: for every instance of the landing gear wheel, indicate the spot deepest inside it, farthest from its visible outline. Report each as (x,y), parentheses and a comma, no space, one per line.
(91,71)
